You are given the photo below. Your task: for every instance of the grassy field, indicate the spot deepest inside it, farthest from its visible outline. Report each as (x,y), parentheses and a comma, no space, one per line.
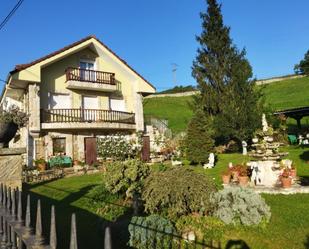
(288,227)
(279,95)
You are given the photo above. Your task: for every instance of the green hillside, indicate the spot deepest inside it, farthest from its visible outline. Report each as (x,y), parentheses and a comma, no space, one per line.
(285,94)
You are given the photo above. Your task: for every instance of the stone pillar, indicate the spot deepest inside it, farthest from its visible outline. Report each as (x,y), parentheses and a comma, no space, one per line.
(139,112)
(34,109)
(12,161)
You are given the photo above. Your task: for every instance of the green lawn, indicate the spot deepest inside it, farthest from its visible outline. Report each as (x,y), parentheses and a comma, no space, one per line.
(279,95)
(288,227)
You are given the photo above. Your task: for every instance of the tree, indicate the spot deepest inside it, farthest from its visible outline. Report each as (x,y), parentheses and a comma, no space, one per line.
(303,66)
(224,77)
(198,141)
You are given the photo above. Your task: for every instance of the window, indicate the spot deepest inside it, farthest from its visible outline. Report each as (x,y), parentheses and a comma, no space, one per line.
(59,101)
(85,74)
(58,146)
(117,105)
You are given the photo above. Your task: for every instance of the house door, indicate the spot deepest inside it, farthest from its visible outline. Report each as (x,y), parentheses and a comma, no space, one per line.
(146,149)
(90,150)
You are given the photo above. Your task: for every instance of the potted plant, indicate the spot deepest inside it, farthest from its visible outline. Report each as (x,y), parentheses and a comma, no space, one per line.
(235,172)
(226,176)
(243,178)
(286,179)
(293,171)
(40,164)
(10,121)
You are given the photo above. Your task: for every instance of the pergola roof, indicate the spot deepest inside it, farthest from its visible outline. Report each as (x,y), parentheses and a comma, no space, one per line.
(296,113)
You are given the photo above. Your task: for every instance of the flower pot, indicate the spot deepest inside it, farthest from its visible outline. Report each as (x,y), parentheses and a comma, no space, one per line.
(41,166)
(243,180)
(7,132)
(286,182)
(226,179)
(235,175)
(293,173)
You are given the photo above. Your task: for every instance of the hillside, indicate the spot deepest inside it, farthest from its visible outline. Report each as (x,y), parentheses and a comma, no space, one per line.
(285,94)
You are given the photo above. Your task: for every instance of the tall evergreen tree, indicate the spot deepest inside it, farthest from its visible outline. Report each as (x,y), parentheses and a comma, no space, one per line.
(303,66)
(224,76)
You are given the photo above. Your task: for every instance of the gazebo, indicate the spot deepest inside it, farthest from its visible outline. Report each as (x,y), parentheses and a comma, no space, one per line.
(295,113)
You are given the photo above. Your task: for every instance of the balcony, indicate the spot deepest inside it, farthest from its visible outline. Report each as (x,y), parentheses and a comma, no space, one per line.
(84,79)
(55,119)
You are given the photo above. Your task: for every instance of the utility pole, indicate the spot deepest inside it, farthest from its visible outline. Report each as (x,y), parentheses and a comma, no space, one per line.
(174,70)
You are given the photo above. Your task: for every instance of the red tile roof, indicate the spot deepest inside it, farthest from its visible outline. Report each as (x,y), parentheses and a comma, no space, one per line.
(24,66)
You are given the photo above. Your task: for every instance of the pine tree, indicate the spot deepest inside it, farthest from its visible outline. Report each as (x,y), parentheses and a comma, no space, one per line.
(224,77)
(198,141)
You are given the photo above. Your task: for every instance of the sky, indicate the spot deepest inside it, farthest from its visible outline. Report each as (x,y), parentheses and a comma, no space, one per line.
(152,35)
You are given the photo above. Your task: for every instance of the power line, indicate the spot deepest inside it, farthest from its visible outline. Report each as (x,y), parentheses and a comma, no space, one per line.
(7,18)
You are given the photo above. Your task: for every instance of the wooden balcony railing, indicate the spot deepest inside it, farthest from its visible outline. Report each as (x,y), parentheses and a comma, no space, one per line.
(86,115)
(92,76)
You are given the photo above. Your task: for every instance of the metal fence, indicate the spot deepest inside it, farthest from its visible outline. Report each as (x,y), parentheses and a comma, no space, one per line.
(17,232)
(144,236)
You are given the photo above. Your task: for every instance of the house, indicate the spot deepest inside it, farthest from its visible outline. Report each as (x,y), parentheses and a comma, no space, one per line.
(74,95)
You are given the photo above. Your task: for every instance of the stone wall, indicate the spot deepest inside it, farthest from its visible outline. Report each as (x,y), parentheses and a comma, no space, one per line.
(12,161)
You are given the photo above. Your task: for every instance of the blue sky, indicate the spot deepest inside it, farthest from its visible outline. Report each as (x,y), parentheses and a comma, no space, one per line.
(151,35)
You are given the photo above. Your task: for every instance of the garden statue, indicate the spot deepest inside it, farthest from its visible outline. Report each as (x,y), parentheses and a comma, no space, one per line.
(264,123)
(211,161)
(244,147)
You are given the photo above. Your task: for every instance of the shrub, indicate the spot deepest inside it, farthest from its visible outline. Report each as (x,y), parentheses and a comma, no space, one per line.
(151,232)
(240,206)
(117,147)
(14,115)
(205,228)
(198,141)
(126,177)
(107,205)
(177,191)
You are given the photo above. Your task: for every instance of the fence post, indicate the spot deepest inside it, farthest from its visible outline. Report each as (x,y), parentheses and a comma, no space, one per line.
(53,235)
(107,238)
(73,242)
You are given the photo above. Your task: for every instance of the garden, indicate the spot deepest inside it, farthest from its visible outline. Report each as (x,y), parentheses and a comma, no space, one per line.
(108,198)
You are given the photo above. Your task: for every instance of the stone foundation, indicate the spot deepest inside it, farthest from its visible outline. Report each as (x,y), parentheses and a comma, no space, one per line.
(12,161)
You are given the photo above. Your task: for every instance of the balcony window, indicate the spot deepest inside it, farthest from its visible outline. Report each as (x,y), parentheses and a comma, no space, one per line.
(87,75)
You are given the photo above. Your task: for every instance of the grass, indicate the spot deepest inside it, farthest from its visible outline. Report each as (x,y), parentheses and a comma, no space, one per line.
(71,195)
(175,109)
(285,94)
(288,227)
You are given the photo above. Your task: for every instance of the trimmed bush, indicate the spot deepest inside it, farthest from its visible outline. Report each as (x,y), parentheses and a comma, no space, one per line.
(205,228)
(177,191)
(151,232)
(107,205)
(126,177)
(240,206)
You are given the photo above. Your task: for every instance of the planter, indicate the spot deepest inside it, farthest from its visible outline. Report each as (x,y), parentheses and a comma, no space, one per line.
(226,179)
(7,132)
(41,166)
(235,175)
(243,180)
(293,173)
(286,182)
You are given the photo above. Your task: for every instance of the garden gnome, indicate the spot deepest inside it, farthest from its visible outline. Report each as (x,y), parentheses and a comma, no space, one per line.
(244,147)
